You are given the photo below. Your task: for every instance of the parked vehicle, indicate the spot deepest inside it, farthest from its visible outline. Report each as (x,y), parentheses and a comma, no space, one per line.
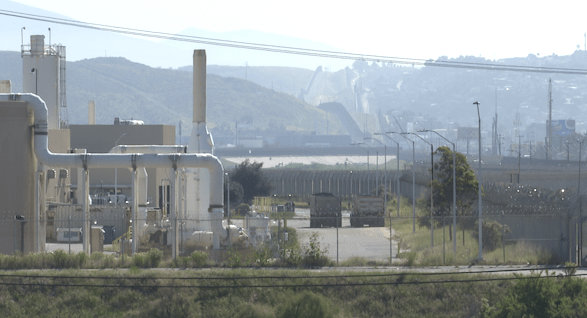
(325,210)
(368,210)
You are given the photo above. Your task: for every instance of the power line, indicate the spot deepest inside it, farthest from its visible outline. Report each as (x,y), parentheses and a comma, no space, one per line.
(294,50)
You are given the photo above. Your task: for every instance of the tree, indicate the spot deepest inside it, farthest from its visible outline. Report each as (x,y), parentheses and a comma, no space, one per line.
(236,194)
(466,186)
(252,180)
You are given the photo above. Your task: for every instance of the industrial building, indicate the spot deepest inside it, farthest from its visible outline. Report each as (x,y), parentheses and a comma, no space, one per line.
(61,180)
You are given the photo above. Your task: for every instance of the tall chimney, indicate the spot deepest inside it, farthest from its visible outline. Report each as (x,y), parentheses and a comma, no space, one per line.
(199,86)
(200,140)
(91,113)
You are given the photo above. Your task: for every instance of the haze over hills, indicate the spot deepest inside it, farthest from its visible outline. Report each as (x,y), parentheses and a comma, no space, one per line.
(385,97)
(126,89)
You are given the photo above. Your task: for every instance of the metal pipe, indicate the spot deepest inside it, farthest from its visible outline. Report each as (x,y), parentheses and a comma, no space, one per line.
(85,161)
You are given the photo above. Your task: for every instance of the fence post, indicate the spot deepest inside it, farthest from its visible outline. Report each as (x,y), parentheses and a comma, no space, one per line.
(14,233)
(503,236)
(69,232)
(338,217)
(390,241)
(443,248)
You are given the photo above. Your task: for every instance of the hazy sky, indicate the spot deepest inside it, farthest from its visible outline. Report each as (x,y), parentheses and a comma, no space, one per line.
(416,29)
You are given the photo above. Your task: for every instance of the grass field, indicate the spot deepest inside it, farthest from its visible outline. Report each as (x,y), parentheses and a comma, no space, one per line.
(417,248)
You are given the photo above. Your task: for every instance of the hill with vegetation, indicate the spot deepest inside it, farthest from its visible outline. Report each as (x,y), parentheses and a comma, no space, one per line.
(125,89)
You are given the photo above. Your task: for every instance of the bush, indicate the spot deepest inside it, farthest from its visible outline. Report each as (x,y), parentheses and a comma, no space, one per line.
(570,269)
(150,259)
(290,256)
(140,260)
(262,256)
(155,256)
(314,254)
(307,305)
(200,259)
(234,258)
(493,234)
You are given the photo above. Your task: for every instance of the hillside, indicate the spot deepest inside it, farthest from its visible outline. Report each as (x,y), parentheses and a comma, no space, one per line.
(125,89)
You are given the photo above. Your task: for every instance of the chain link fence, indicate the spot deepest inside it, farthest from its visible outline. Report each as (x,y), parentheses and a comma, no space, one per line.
(506,238)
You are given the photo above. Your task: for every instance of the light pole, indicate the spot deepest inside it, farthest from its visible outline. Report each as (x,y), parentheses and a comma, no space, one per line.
(580,249)
(22,37)
(376,166)
(580,234)
(480,202)
(413,179)
(398,181)
(116,174)
(431,188)
(385,197)
(385,169)
(454,190)
(368,169)
(228,204)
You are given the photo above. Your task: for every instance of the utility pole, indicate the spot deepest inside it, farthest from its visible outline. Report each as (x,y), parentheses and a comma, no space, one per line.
(494,129)
(519,154)
(549,145)
(480,190)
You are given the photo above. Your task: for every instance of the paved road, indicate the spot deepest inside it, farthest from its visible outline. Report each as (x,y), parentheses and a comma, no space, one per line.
(371,243)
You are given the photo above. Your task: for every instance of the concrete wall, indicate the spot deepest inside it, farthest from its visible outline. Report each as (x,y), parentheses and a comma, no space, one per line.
(17,176)
(340,182)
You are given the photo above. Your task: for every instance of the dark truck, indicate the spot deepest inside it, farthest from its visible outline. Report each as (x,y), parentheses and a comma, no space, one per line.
(325,210)
(368,210)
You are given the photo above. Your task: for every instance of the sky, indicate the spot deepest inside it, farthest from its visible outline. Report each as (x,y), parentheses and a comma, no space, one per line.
(407,29)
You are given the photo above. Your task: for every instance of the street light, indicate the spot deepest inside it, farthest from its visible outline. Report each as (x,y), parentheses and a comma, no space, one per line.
(116,173)
(580,234)
(413,178)
(398,181)
(376,166)
(431,188)
(385,196)
(480,202)
(228,203)
(368,170)
(454,190)
(385,169)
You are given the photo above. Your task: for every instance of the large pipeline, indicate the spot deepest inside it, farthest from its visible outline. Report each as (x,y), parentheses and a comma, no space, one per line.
(133,161)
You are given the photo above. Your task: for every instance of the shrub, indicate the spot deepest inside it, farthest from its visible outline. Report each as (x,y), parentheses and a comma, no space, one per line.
(262,256)
(199,258)
(290,256)
(234,258)
(60,259)
(139,260)
(570,268)
(314,254)
(493,234)
(154,256)
(307,305)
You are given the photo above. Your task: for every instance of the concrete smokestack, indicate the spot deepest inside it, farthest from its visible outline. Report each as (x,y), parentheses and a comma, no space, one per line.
(199,86)
(200,140)
(91,113)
